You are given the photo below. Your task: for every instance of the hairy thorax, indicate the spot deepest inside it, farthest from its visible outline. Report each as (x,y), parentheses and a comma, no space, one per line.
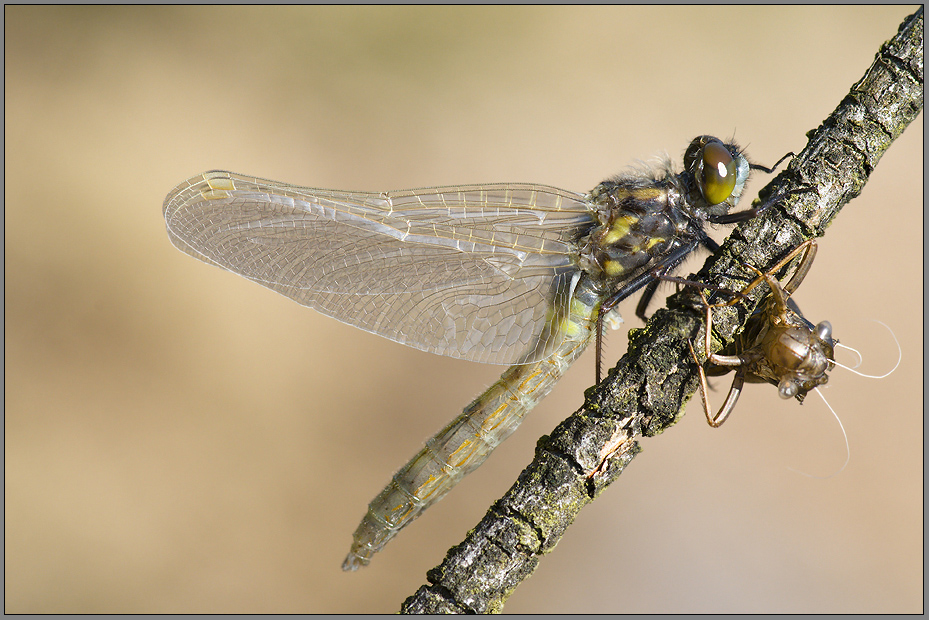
(638,224)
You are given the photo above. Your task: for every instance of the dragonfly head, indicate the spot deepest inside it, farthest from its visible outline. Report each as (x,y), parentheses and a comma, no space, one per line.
(718,172)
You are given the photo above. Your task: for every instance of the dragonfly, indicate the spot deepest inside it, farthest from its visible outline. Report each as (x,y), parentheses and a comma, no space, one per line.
(511,273)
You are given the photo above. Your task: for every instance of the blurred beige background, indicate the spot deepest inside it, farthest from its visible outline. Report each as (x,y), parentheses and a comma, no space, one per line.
(181,440)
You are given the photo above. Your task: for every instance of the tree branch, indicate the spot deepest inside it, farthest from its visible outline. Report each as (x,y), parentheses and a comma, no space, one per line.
(647,390)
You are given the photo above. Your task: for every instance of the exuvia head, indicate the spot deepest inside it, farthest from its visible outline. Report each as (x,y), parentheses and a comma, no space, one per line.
(802,358)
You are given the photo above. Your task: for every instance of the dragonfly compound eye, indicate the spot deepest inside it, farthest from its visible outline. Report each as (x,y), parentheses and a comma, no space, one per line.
(717,176)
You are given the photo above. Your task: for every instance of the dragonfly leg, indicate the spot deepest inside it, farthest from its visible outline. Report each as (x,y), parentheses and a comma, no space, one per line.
(599,347)
(644,279)
(767,170)
(646,297)
(753,212)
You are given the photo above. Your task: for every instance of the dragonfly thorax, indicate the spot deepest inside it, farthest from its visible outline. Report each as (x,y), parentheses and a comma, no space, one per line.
(638,224)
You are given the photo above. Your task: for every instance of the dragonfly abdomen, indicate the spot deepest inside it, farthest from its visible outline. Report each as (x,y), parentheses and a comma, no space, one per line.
(468,440)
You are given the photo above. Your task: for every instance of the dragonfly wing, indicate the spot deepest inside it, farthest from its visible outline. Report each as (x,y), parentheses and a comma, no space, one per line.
(471,272)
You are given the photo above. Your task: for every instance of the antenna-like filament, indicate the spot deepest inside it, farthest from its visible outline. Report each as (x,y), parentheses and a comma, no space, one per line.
(848,452)
(861,374)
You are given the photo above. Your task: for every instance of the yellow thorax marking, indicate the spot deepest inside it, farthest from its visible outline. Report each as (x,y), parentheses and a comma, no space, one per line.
(619,229)
(653,241)
(613,268)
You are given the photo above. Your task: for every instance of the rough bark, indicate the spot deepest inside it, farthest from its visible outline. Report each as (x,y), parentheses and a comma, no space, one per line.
(647,390)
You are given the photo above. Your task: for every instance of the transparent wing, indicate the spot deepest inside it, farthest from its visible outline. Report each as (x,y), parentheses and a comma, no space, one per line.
(473,272)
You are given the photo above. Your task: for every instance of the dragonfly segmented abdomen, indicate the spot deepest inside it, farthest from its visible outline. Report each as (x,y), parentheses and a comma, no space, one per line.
(468,440)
